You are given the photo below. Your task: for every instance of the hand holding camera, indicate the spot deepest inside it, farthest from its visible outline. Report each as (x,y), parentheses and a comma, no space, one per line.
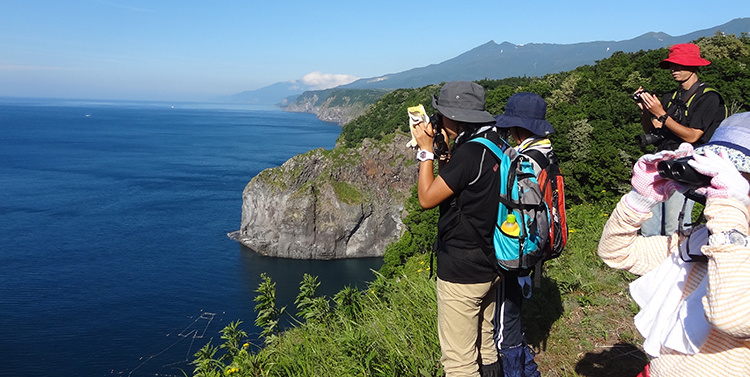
(427,131)
(637,95)
(640,96)
(646,100)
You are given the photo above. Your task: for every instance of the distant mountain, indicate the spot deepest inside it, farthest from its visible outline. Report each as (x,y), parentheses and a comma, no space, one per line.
(497,61)
(281,93)
(494,61)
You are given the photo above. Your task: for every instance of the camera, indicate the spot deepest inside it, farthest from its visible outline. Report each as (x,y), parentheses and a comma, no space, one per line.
(637,95)
(437,121)
(654,137)
(680,171)
(439,146)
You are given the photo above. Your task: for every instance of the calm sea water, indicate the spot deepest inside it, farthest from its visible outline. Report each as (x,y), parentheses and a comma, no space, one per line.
(114,258)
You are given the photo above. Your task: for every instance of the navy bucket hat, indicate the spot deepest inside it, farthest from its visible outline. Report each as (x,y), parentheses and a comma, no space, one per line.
(526,110)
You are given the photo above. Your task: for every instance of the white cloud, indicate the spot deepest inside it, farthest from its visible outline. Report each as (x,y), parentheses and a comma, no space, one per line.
(320,80)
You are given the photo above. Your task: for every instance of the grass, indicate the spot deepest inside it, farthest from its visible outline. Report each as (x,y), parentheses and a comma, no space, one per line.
(579,322)
(346,193)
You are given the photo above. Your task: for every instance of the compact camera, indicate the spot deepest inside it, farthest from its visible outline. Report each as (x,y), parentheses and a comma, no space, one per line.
(637,95)
(680,171)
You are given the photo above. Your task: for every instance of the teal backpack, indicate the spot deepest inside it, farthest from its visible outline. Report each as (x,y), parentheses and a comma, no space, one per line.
(520,196)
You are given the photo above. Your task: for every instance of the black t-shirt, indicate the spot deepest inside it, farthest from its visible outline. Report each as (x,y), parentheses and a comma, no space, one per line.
(472,174)
(705,113)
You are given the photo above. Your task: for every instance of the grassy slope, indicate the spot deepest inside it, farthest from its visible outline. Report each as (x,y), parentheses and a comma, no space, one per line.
(580,322)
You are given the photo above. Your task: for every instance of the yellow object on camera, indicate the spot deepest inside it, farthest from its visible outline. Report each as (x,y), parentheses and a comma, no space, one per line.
(417,114)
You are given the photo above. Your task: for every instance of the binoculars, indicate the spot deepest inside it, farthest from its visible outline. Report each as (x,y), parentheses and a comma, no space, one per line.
(680,171)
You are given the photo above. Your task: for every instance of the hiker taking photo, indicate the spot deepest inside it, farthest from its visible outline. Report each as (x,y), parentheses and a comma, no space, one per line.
(466,279)
(689,114)
(694,289)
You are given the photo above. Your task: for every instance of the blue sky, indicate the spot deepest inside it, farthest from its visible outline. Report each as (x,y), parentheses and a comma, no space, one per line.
(196,50)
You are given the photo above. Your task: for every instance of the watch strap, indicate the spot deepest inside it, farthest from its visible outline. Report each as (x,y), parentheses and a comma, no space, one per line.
(662,119)
(424,155)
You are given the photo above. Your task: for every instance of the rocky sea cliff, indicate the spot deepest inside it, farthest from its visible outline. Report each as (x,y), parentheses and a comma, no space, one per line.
(330,204)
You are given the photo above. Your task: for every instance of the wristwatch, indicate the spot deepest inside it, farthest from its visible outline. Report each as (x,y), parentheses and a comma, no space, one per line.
(662,119)
(732,237)
(424,155)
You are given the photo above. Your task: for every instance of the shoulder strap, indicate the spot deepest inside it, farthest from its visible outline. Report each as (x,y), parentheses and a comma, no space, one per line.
(490,145)
(698,88)
(704,89)
(489,252)
(537,156)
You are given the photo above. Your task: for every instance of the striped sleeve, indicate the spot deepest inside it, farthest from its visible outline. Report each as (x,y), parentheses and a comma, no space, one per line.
(727,301)
(622,248)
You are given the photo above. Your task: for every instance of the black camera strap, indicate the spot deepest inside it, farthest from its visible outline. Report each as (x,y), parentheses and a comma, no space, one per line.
(681,224)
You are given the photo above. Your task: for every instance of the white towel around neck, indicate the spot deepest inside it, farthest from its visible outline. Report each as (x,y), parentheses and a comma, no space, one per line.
(665,319)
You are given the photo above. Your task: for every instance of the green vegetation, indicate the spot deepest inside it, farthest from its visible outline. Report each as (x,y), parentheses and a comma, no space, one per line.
(579,320)
(344,97)
(590,107)
(388,114)
(346,192)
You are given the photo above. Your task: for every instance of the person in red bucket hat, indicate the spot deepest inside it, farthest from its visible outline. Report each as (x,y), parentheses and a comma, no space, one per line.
(689,114)
(685,54)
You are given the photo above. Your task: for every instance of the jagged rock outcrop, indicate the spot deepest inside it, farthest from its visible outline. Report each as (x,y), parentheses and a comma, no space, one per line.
(330,204)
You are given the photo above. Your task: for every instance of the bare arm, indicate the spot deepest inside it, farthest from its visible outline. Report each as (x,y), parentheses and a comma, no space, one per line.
(431,191)
(652,106)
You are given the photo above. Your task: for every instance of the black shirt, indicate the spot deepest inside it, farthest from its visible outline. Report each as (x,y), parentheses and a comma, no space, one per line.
(705,113)
(472,174)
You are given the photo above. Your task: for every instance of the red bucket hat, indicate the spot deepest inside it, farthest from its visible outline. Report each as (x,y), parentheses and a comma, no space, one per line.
(686,54)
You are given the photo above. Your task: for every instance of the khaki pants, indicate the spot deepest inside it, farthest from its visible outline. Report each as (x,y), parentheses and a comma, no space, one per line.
(465,313)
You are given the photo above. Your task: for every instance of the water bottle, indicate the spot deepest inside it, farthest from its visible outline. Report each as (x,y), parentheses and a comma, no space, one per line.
(510,226)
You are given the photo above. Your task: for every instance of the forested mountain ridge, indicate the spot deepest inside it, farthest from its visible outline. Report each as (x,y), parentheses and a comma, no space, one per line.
(591,108)
(497,61)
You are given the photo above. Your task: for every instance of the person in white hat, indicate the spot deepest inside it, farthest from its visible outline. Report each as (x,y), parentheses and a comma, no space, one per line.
(694,289)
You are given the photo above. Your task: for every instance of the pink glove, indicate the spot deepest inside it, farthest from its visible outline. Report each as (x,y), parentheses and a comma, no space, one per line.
(727,181)
(646,180)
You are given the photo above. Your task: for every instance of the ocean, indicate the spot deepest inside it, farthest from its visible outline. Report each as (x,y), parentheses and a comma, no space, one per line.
(114,255)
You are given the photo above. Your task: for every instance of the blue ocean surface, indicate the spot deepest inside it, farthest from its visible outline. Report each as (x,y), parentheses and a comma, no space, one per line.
(114,255)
